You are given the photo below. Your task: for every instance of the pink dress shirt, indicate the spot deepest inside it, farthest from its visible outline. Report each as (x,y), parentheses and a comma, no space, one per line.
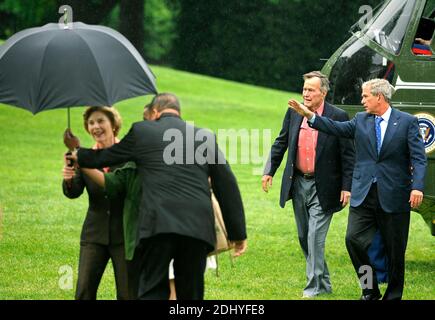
(306,154)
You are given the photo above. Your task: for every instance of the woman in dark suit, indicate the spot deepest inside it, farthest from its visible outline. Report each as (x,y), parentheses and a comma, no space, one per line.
(102,232)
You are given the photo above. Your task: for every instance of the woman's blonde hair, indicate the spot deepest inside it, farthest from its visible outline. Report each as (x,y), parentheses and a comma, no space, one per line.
(110,112)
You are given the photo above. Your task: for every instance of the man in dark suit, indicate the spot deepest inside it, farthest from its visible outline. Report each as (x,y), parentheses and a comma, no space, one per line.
(176,221)
(387,182)
(317,178)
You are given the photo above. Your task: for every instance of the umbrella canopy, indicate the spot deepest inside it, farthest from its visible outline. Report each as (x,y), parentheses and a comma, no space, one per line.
(54,67)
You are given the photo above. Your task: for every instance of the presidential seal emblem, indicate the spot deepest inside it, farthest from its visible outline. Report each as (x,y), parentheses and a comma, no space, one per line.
(426,123)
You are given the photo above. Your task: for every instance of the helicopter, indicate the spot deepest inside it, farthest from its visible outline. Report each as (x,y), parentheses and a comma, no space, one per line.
(389,46)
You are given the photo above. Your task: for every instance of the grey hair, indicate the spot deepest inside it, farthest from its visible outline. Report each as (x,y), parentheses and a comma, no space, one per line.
(380,86)
(324,82)
(164,101)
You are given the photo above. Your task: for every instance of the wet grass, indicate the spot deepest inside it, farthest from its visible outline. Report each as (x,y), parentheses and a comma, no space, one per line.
(40,228)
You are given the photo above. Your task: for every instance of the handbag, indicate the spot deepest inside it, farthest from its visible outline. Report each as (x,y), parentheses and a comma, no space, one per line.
(222,242)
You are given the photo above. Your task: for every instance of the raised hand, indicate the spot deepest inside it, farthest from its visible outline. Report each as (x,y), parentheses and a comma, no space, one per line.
(300,108)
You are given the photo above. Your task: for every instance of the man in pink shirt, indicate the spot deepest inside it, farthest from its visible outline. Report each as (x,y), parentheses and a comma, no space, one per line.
(317,177)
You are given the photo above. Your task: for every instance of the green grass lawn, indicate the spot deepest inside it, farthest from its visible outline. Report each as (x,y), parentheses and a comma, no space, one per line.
(40,228)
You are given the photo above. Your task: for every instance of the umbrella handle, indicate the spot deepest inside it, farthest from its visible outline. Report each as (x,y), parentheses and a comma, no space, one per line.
(64,22)
(69,121)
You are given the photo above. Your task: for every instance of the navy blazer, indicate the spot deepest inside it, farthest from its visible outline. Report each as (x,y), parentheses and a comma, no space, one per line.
(400,166)
(334,159)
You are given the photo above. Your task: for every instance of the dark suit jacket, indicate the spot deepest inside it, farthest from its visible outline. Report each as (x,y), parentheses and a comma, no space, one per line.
(103,223)
(334,160)
(402,148)
(176,196)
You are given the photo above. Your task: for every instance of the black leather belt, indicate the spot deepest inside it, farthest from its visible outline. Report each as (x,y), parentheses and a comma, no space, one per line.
(308,176)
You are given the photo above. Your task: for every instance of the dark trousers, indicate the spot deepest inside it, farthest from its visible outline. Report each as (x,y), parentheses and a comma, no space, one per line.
(363,222)
(133,268)
(92,263)
(378,258)
(189,256)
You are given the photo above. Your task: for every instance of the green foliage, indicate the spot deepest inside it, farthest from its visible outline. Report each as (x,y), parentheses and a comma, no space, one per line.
(270,43)
(264,42)
(112,19)
(160,29)
(40,228)
(16,15)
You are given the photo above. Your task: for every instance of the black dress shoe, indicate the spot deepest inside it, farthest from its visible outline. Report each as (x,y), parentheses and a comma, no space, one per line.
(371,296)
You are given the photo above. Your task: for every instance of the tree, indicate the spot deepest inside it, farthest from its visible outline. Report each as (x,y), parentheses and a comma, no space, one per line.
(16,15)
(91,11)
(131,16)
(264,42)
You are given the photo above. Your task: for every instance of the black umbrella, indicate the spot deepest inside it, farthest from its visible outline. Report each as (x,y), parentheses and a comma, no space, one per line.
(58,66)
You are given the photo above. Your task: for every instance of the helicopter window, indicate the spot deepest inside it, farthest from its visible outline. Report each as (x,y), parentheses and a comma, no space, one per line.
(388,27)
(357,64)
(424,37)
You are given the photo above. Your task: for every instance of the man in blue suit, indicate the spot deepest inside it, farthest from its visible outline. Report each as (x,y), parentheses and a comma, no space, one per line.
(388,180)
